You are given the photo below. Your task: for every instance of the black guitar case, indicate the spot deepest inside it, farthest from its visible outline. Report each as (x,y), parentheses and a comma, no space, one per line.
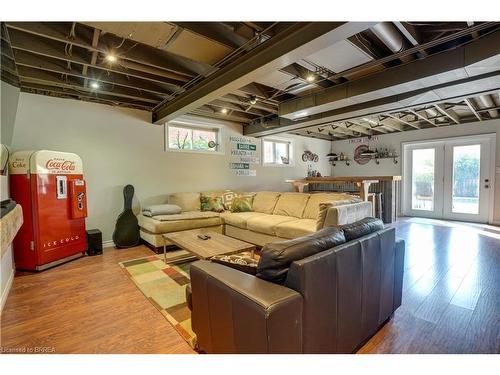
(126,232)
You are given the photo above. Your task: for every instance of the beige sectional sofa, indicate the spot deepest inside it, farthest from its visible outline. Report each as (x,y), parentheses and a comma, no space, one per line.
(275,216)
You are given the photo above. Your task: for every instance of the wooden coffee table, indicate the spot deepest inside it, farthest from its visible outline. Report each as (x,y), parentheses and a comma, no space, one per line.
(217,244)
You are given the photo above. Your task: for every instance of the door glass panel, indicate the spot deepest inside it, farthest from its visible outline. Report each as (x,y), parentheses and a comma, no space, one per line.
(423,179)
(466,179)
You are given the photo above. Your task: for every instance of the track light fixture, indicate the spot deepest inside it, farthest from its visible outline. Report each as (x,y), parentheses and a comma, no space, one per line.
(253,99)
(224,111)
(94,85)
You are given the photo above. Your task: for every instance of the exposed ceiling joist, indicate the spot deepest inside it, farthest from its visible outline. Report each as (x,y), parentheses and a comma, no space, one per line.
(296,42)
(55,66)
(235,99)
(415,126)
(39,76)
(488,82)
(473,109)
(93,59)
(447,66)
(85,95)
(421,117)
(110,43)
(441,108)
(44,47)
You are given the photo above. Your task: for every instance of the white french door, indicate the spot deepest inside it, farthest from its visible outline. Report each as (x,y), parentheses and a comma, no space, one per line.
(449,178)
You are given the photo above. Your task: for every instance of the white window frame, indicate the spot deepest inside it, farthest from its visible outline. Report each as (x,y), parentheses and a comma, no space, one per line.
(200,125)
(288,141)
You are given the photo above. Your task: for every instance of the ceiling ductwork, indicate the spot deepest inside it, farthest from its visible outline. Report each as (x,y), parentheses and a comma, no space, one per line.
(391,37)
(485,101)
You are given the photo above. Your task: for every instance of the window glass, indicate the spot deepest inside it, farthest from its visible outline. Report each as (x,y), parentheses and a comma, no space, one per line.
(193,138)
(276,152)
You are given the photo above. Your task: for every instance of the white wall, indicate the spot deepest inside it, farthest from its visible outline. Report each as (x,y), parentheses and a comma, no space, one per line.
(120,146)
(393,141)
(9,96)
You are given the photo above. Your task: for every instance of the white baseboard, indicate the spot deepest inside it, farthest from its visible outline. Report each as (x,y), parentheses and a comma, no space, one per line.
(106,244)
(6,291)
(496,223)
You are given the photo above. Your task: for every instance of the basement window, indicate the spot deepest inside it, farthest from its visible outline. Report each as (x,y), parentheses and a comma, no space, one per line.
(277,152)
(194,137)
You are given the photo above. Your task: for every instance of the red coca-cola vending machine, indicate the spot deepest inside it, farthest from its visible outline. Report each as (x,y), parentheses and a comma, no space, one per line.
(49,186)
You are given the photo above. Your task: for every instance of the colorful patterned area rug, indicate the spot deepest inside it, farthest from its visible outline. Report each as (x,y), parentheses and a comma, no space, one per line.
(165,287)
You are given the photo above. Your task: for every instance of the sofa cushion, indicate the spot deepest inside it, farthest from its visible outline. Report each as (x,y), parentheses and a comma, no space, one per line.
(265,201)
(276,257)
(296,228)
(239,219)
(291,204)
(186,201)
(174,223)
(267,223)
(361,228)
(312,208)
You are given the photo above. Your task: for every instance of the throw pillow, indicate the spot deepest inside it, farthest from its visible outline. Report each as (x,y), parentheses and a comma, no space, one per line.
(211,203)
(227,199)
(241,262)
(242,203)
(276,257)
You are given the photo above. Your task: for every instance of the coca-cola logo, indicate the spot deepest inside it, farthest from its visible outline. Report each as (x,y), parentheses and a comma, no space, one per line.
(18,164)
(60,164)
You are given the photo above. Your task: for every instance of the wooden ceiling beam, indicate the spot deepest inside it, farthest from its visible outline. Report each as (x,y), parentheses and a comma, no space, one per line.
(42,47)
(422,117)
(473,109)
(378,128)
(233,98)
(451,116)
(416,126)
(93,59)
(43,77)
(90,96)
(221,103)
(57,66)
(108,43)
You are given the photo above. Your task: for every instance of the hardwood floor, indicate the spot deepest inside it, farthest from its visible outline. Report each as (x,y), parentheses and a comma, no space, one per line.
(86,306)
(451,291)
(451,300)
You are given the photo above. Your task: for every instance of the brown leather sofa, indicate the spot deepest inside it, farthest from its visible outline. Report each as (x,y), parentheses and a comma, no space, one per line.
(329,302)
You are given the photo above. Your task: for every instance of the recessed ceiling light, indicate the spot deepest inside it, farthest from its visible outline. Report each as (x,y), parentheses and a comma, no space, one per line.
(94,85)
(310,78)
(224,111)
(111,58)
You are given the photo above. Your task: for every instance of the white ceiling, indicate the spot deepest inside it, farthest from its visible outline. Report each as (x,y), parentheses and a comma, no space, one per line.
(340,56)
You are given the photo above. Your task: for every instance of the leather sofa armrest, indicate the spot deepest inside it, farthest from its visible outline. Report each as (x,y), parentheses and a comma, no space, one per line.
(399,259)
(346,214)
(233,312)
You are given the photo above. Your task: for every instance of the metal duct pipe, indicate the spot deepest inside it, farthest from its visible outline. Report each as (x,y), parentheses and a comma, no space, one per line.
(391,37)
(485,101)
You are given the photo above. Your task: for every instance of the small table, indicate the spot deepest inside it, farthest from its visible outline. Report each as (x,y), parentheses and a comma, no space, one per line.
(217,244)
